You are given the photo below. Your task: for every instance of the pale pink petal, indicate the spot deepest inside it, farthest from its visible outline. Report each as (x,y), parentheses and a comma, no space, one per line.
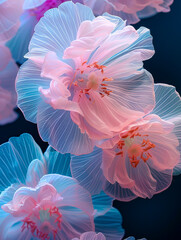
(90,34)
(114,169)
(10,12)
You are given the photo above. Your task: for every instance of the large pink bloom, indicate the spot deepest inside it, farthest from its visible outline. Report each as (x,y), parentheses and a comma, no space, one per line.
(8,72)
(10,12)
(90,74)
(131,10)
(48,210)
(36,202)
(140,160)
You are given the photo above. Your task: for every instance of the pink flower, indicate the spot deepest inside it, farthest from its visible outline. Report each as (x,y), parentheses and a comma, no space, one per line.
(140,160)
(90,75)
(131,10)
(36,202)
(8,71)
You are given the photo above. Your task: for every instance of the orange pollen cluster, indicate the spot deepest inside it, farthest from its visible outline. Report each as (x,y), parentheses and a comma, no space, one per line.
(31,225)
(103,86)
(135,151)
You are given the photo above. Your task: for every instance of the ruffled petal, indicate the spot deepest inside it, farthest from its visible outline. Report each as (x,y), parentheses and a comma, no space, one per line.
(73,195)
(114,169)
(63,24)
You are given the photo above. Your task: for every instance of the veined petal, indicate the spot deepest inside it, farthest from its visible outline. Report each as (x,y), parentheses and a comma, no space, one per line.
(65,137)
(86,169)
(57,162)
(110,225)
(58,35)
(15,157)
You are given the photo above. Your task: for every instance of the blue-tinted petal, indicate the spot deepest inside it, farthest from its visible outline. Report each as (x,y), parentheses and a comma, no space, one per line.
(58,28)
(36,170)
(168,107)
(144,44)
(102,203)
(86,169)
(20,42)
(110,225)
(28,83)
(57,162)
(15,157)
(57,128)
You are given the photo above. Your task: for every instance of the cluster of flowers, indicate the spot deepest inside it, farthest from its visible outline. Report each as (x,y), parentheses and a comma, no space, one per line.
(113,133)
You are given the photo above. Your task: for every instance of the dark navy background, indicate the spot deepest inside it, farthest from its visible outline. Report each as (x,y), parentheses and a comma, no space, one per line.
(158,218)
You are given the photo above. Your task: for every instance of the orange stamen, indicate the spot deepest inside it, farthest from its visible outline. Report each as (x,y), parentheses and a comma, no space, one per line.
(143,148)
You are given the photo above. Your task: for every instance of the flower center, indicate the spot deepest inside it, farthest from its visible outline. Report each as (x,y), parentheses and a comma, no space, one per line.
(91,77)
(39,11)
(43,223)
(136,151)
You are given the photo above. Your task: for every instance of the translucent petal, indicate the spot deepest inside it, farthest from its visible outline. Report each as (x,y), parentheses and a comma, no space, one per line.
(5,197)
(57,162)
(110,225)
(91,236)
(73,195)
(75,222)
(11,229)
(27,86)
(131,10)
(86,169)
(58,28)
(20,42)
(168,107)
(115,191)
(102,203)
(57,127)
(35,171)
(15,157)
(168,102)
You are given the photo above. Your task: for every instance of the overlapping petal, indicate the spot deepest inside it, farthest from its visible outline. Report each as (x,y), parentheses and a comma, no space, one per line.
(132,10)
(112,98)
(141,159)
